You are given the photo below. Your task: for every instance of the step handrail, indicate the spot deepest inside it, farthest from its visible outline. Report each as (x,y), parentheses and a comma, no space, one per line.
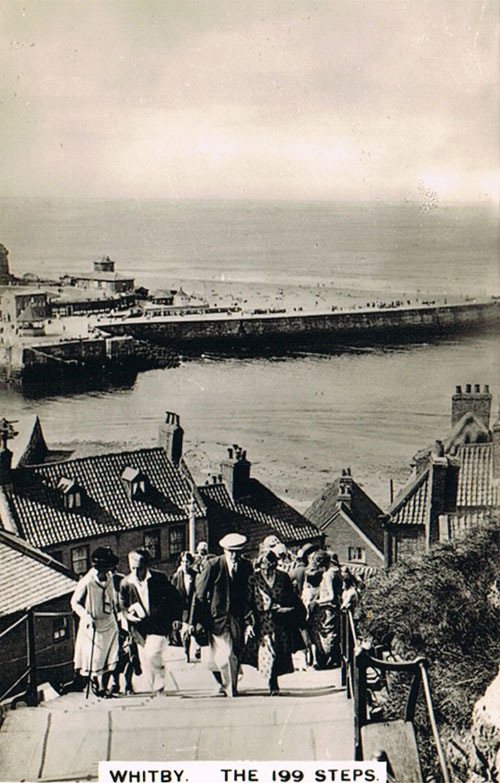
(357,658)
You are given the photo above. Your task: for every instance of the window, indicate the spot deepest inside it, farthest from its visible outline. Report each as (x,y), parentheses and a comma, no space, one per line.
(152,544)
(177,540)
(357,554)
(70,492)
(134,482)
(80,559)
(60,629)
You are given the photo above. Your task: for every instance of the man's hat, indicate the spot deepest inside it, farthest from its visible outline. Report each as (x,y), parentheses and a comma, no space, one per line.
(233,541)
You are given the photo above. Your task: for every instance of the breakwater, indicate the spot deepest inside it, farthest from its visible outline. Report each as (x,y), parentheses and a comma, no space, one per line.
(326,330)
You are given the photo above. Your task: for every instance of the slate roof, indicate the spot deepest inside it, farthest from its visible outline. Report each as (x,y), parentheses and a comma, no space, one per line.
(28,577)
(39,510)
(259,515)
(363,512)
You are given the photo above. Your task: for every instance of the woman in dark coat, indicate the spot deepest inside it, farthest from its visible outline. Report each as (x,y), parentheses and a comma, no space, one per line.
(277,614)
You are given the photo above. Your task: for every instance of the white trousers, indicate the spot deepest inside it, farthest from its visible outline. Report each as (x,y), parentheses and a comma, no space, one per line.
(152,656)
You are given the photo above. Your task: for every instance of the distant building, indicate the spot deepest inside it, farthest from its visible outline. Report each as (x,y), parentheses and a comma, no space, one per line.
(235,502)
(5,276)
(31,581)
(23,311)
(455,484)
(350,521)
(103,278)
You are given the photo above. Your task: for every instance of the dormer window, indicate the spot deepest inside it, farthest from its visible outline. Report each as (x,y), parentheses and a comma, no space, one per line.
(135,482)
(70,492)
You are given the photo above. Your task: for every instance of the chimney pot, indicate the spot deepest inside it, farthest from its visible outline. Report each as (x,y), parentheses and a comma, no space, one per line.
(477,388)
(230,453)
(468,388)
(486,388)
(458,390)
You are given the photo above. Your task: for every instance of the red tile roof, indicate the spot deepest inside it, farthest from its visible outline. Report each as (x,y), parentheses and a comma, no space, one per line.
(477,488)
(106,506)
(261,514)
(475,482)
(28,577)
(411,505)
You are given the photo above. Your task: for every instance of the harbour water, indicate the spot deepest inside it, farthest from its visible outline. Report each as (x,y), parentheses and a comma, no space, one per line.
(301,418)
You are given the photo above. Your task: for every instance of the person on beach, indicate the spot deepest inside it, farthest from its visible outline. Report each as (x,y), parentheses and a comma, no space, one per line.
(151,604)
(221,601)
(94,601)
(278,615)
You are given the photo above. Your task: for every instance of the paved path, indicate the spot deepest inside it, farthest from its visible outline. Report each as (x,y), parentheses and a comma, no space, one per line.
(64,739)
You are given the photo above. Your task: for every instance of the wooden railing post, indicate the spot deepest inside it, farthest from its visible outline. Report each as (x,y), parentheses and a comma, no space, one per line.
(360,699)
(32,687)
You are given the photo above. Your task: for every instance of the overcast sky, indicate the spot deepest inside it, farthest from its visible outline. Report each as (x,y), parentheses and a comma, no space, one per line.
(248,99)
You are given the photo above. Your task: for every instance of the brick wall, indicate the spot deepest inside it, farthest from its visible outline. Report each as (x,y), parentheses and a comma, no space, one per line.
(340,536)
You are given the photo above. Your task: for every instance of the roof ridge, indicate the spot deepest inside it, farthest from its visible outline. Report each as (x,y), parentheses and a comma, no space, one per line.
(89,457)
(410,486)
(24,546)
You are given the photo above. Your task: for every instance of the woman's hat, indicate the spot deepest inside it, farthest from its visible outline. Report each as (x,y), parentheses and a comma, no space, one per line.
(234,542)
(307,549)
(104,556)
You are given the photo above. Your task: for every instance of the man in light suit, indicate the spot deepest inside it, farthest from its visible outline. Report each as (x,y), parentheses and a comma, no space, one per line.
(221,601)
(150,603)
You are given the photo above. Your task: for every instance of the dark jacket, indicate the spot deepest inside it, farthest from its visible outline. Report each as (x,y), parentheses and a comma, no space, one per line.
(165,604)
(186,595)
(218,596)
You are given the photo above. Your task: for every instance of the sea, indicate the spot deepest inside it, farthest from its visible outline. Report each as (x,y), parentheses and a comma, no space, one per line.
(301,417)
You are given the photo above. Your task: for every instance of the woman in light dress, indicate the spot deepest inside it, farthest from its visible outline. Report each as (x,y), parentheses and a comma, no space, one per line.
(94,601)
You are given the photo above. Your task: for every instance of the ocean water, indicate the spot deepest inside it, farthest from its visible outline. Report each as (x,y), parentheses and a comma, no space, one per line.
(301,418)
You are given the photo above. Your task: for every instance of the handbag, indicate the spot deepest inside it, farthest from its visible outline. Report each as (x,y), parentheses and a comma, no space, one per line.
(201,635)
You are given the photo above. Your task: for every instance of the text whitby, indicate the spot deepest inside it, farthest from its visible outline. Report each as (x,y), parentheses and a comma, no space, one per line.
(249,772)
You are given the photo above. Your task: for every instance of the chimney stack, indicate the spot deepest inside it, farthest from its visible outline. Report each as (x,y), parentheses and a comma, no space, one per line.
(235,470)
(344,496)
(171,437)
(495,432)
(443,488)
(6,433)
(477,402)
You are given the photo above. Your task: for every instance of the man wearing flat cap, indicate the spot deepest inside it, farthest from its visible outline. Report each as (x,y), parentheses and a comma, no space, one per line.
(221,600)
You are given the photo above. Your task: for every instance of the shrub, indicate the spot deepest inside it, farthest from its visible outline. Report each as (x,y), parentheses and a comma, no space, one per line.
(436,605)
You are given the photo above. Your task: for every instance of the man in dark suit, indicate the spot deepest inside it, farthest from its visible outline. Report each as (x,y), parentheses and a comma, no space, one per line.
(150,603)
(221,599)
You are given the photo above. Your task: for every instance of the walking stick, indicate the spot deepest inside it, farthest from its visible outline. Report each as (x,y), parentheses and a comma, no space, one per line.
(91,662)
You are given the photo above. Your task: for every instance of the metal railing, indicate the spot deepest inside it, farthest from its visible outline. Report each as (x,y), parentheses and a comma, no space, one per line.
(32,655)
(358,662)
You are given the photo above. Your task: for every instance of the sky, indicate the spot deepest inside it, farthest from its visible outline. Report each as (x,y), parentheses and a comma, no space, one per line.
(273,99)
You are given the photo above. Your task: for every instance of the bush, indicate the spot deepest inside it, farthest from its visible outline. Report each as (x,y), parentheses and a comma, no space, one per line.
(436,605)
